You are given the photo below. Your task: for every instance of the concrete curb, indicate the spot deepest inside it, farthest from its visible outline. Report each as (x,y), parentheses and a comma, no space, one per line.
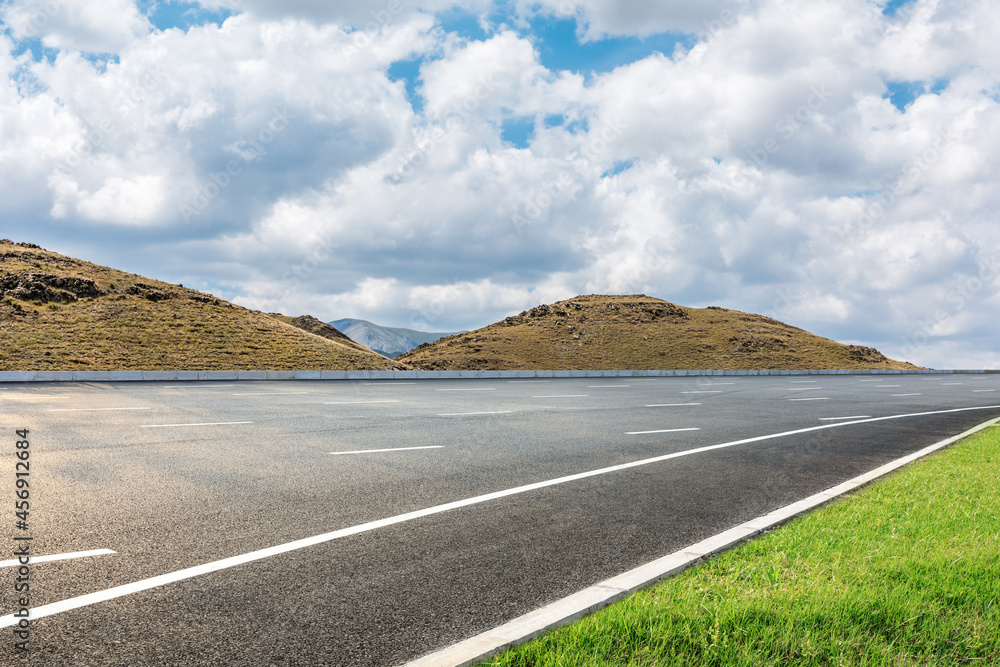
(574,607)
(189,376)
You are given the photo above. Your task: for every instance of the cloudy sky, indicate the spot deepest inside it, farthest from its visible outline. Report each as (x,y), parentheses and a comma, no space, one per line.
(440,165)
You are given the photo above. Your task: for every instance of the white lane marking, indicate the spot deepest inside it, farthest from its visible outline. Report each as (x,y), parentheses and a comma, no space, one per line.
(94,409)
(719,384)
(830,419)
(275,393)
(461,414)
(472,389)
(702,392)
(202,424)
(30,398)
(670,405)
(666,430)
(804,388)
(193,386)
(397,449)
(564,396)
(477,649)
(378,384)
(907,394)
(979,391)
(802,381)
(215,566)
(950,384)
(812,398)
(871,380)
(607,386)
(356,402)
(526,381)
(57,557)
(890,385)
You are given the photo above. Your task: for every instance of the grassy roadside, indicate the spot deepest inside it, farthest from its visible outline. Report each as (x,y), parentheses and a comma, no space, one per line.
(903,572)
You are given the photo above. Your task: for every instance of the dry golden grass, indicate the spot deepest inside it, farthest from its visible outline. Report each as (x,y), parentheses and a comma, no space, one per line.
(60,313)
(639,332)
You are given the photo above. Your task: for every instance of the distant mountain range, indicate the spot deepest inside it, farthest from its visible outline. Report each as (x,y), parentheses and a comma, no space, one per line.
(388,341)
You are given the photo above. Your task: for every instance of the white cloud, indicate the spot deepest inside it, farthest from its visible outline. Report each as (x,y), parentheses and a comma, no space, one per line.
(101,26)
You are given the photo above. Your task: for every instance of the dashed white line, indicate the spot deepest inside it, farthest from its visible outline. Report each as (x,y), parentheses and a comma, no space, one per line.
(470,389)
(666,430)
(811,398)
(383,384)
(907,394)
(564,396)
(802,381)
(58,557)
(871,380)
(670,405)
(607,386)
(357,402)
(207,386)
(702,392)
(950,384)
(30,398)
(526,381)
(462,414)
(890,385)
(201,424)
(804,388)
(979,391)
(830,419)
(225,563)
(93,409)
(275,393)
(397,449)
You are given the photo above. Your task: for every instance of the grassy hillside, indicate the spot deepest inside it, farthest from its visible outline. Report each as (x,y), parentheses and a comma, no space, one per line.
(60,313)
(640,332)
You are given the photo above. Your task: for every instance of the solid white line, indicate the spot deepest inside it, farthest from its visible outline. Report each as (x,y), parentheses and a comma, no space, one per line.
(481,647)
(564,396)
(275,393)
(830,419)
(215,566)
(670,405)
(57,557)
(666,430)
(460,414)
(473,389)
(907,394)
(702,392)
(204,424)
(398,449)
(824,398)
(94,409)
(356,402)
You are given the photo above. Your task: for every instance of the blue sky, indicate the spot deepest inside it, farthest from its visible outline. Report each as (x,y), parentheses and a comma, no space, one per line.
(464,161)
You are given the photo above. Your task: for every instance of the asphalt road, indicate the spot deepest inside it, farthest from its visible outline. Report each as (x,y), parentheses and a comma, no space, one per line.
(171,476)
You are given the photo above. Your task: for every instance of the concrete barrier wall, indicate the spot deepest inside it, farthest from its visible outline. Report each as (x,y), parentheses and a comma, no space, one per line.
(187,376)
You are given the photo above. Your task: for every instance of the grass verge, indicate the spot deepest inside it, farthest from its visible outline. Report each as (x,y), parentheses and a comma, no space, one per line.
(905,571)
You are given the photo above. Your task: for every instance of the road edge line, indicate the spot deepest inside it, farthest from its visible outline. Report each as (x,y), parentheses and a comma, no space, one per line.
(574,607)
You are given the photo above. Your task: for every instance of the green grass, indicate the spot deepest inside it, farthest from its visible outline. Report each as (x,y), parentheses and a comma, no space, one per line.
(903,572)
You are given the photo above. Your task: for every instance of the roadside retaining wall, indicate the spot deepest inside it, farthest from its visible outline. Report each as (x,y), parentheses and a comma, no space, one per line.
(187,376)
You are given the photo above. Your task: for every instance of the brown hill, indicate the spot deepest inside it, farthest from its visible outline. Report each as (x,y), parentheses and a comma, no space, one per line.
(639,332)
(61,313)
